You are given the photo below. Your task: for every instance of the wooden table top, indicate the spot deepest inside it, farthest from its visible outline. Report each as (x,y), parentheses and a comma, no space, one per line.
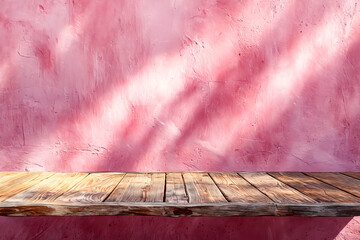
(180,194)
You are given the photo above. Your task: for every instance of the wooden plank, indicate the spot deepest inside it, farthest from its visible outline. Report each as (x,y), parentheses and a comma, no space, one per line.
(175,188)
(72,195)
(8,176)
(353,174)
(176,210)
(339,180)
(314,188)
(201,188)
(236,189)
(139,208)
(273,188)
(6,173)
(49,189)
(143,187)
(318,210)
(93,188)
(22,182)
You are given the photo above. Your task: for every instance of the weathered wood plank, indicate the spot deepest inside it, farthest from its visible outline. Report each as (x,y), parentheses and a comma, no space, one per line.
(139,208)
(353,174)
(22,182)
(74,195)
(236,189)
(339,180)
(201,188)
(6,173)
(318,210)
(93,188)
(49,189)
(142,187)
(8,176)
(176,210)
(314,188)
(273,188)
(175,188)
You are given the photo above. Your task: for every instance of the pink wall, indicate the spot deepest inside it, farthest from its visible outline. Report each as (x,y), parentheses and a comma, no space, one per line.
(180,85)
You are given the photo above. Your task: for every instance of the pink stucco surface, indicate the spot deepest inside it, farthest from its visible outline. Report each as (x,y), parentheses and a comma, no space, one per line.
(179,85)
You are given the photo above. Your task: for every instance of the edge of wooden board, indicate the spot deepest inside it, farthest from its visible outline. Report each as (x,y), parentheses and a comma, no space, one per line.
(178,210)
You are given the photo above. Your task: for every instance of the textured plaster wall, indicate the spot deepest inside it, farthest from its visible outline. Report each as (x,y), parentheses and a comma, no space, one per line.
(179,85)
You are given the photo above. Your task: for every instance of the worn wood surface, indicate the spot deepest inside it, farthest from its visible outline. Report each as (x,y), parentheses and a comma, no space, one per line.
(276,190)
(353,174)
(13,186)
(142,187)
(8,176)
(236,189)
(201,188)
(175,188)
(344,182)
(49,189)
(314,188)
(179,194)
(94,188)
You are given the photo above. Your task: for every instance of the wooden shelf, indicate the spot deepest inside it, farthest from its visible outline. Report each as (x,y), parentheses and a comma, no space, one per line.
(180,194)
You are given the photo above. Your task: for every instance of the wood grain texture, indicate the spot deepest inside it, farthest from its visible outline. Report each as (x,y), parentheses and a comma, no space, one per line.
(140,208)
(276,190)
(236,189)
(314,188)
(49,189)
(8,176)
(139,187)
(21,182)
(83,194)
(353,174)
(176,210)
(201,188)
(175,188)
(8,173)
(94,188)
(344,182)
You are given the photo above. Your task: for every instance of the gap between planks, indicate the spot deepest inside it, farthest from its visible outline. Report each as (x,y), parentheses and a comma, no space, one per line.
(218,188)
(338,184)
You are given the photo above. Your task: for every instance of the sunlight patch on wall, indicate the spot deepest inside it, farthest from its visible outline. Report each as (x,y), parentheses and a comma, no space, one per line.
(66,39)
